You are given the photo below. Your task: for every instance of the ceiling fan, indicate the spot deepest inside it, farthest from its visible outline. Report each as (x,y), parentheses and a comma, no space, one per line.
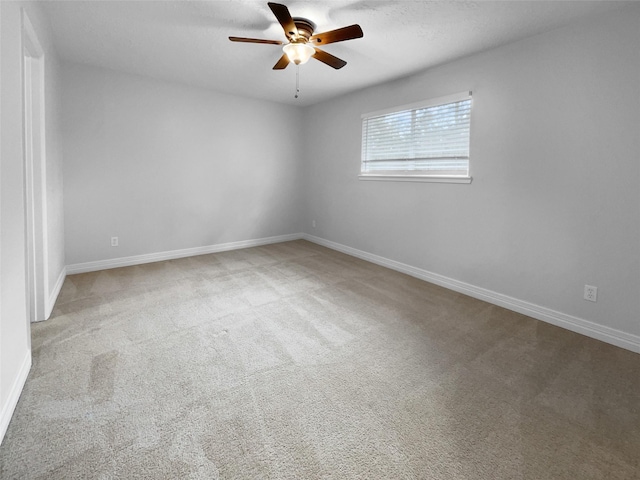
(302,41)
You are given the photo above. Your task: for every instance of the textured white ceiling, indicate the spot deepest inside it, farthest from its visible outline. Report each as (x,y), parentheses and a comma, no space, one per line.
(187,41)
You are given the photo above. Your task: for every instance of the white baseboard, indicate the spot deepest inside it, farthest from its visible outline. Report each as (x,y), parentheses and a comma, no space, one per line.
(14,395)
(51,301)
(172,254)
(600,332)
(575,324)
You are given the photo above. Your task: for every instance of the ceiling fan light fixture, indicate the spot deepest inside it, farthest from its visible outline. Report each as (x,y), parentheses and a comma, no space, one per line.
(299,53)
(302,39)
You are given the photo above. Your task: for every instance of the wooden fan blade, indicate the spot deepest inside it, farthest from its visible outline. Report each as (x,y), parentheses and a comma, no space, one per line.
(284,17)
(255,40)
(329,59)
(282,63)
(338,35)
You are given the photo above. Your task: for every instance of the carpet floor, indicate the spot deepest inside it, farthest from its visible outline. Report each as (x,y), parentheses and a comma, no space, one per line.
(295,361)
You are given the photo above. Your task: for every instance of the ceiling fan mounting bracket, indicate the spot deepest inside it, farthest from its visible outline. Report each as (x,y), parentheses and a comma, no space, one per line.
(305,28)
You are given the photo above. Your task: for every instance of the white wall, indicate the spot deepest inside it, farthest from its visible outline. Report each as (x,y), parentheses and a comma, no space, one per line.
(555,201)
(167,167)
(55,191)
(14,330)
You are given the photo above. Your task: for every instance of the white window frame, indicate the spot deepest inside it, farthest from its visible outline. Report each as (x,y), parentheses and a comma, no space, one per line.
(401,176)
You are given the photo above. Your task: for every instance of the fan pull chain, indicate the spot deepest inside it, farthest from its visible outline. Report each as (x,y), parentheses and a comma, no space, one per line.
(297,81)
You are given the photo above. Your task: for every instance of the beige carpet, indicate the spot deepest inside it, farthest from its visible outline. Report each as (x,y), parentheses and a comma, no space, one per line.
(294,361)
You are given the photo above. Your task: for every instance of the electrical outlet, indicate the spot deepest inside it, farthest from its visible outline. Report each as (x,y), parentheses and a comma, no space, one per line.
(114,241)
(591,293)
(313,223)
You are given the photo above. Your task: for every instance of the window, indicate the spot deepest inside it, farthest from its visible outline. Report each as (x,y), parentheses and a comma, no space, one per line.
(421,142)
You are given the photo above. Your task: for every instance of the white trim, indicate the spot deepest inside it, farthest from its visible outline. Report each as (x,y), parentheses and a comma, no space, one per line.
(170,255)
(585,327)
(575,324)
(415,178)
(35,151)
(53,296)
(14,395)
(432,102)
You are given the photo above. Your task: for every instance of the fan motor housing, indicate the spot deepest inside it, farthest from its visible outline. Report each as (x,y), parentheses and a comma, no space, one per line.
(305,27)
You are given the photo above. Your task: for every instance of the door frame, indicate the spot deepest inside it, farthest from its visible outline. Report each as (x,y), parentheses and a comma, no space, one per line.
(35,173)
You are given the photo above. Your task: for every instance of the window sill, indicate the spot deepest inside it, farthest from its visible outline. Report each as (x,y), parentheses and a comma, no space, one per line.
(415,178)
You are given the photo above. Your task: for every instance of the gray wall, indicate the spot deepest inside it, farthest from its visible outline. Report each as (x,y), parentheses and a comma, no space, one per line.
(554,203)
(14,318)
(167,167)
(55,186)
(14,332)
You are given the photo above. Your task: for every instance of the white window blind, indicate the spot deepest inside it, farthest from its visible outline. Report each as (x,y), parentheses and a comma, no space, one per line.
(426,139)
